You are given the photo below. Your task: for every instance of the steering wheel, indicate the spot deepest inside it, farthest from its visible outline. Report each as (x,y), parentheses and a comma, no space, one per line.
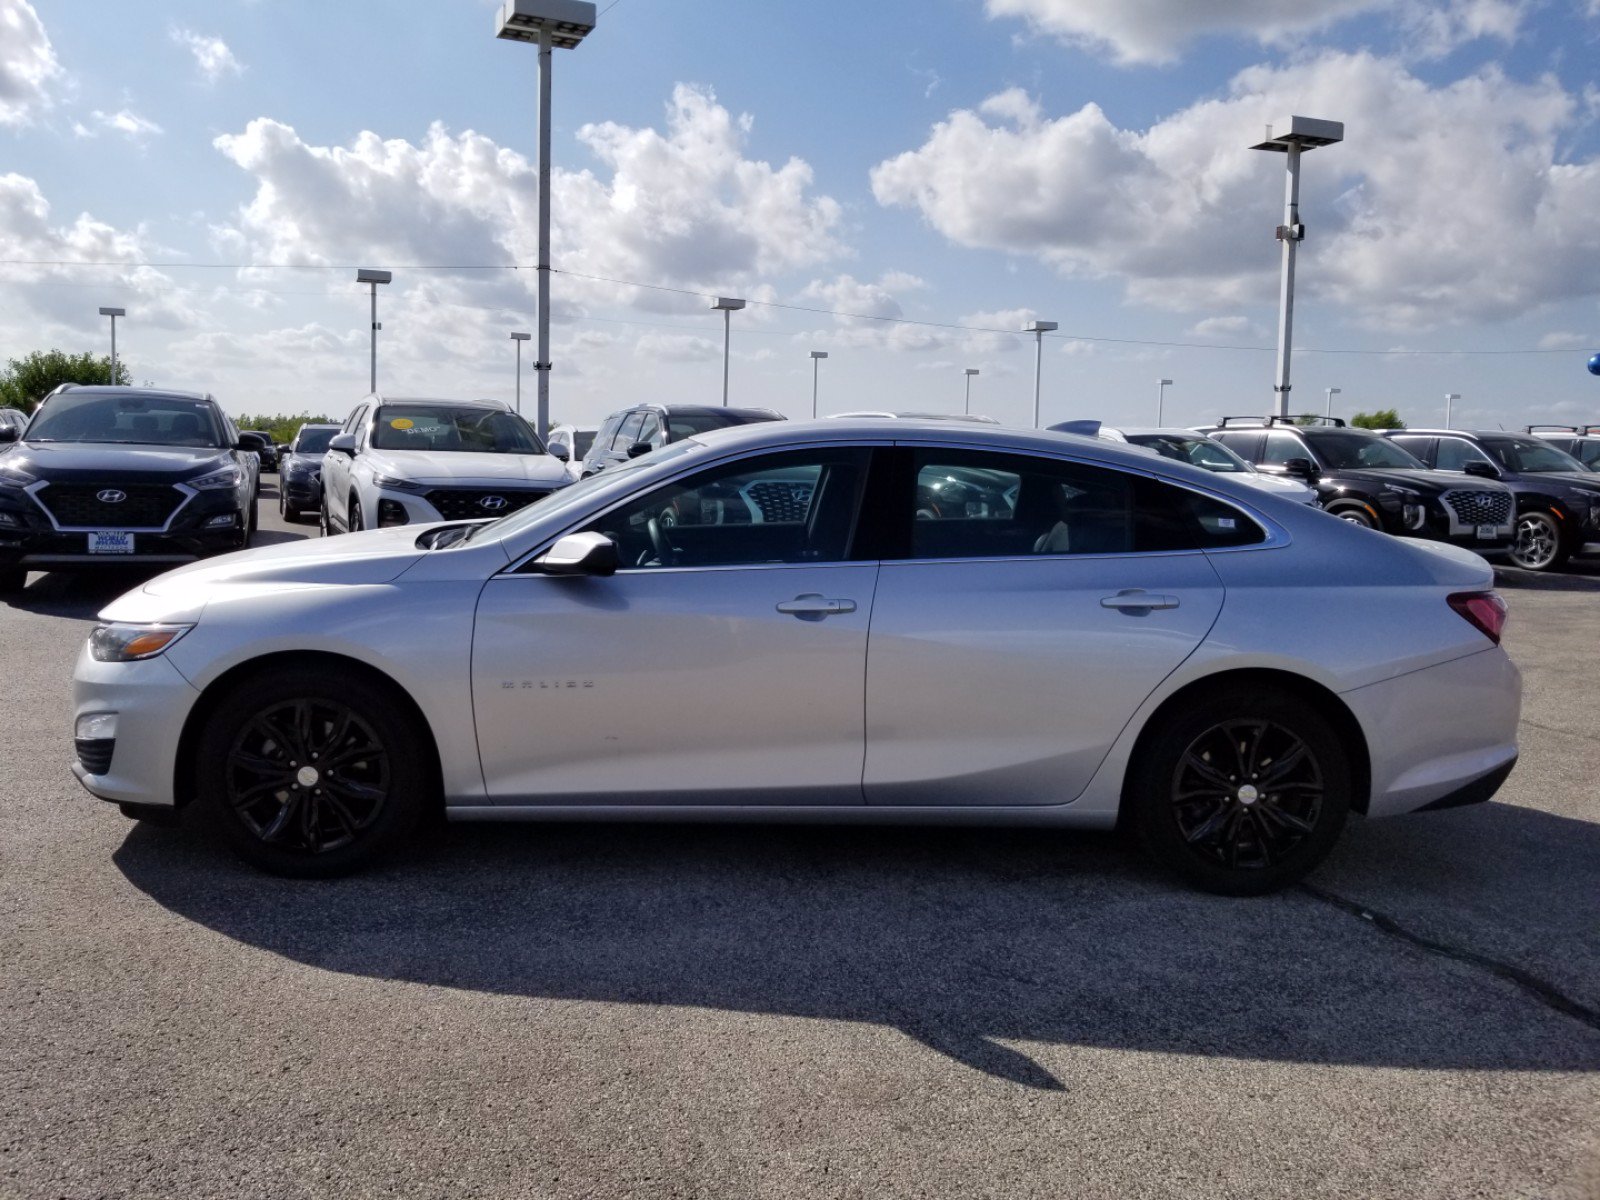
(658,541)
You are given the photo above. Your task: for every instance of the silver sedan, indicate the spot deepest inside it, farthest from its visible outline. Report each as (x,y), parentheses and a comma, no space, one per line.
(875,621)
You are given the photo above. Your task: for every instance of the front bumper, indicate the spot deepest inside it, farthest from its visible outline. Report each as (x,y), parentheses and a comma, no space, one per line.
(152,701)
(30,539)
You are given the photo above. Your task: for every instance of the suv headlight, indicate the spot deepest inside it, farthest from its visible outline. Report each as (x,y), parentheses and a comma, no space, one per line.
(228,477)
(398,485)
(121,642)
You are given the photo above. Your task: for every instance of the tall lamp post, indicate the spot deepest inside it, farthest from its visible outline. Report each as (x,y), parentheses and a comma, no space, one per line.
(1449,399)
(113,313)
(1291,137)
(727,306)
(967,405)
(374,278)
(816,357)
(1038,329)
(546,23)
(1161,401)
(519,338)
(1332,392)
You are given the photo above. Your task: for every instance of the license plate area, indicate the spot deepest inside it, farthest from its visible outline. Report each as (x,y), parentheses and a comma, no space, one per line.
(111,541)
(1488,533)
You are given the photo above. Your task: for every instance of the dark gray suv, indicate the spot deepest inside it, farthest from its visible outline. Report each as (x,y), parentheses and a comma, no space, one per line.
(646,427)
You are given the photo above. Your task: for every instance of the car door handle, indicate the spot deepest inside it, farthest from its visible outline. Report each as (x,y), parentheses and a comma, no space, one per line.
(1138,600)
(813,606)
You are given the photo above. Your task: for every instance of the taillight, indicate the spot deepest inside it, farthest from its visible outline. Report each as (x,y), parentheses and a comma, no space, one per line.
(1486,612)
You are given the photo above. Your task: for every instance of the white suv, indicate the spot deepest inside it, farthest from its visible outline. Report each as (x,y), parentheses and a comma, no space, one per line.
(412,461)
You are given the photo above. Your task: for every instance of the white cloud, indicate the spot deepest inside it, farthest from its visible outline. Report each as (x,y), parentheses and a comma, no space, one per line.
(130,124)
(856,302)
(27,63)
(1182,212)
(677,347)
(1568,341)
(1156,31)
(1227,327)
(211,54)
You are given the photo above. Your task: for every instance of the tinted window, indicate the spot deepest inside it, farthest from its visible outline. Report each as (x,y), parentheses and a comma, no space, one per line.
(1197,451)
(652,432)
(312,441)
(1530,455)
(132,420)
(1347,451)
(794,507)
(682,425)
(581,441)
(1587,452)
(973,504)
(453,428)
(629,432)
(1455,453)
(1281,447)
(1246,445)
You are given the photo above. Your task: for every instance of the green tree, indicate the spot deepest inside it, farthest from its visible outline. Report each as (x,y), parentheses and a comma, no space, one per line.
(26,381)
(1383,418)
(281,428)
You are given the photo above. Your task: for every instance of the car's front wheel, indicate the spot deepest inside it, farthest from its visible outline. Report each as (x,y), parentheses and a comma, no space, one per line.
(311,775)
(1241,793)
(355,523)
(287,511)
(1538,545)
(1356,516)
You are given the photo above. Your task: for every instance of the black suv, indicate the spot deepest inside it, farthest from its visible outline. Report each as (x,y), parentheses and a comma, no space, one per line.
(646,427)
(1362,478)
(122,474)
(1558,498)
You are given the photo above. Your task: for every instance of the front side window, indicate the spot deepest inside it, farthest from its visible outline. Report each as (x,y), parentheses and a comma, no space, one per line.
(1351,451)
(453,428)
(1530,455)
(1282,448)
(1454,454)
(629,432)
(795,507)
(129,420)
(1587,451)
(354,419)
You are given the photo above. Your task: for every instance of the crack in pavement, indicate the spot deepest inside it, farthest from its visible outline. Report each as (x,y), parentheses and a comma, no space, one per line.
(1542,990)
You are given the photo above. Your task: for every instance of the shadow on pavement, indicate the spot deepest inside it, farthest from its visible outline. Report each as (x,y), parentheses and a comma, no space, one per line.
(960,939)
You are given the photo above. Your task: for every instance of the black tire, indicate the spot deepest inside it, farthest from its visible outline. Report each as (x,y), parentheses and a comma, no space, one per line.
(281,812)
(12,580)
(324,527)
(1537,544)
(1356,516)
(1193,810)
(287,511)
(250,519)
(354,524)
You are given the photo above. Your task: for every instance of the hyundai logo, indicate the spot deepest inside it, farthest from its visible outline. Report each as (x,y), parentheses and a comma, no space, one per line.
(111,496)
(492,503)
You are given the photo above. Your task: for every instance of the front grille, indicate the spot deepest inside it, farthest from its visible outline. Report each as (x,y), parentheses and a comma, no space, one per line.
(145,505)
(94,754)
(1480,508)
(464,504)
(781,503)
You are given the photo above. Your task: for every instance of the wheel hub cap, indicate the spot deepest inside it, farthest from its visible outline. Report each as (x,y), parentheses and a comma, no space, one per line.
(307,777)
(1247,793)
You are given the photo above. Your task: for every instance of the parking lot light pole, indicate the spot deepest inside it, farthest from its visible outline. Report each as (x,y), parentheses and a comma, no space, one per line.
(1332,392)
(1038,329)
(561,24)
(727,306)
(519,338)
(1290,137)
(1161,401)
(816,357)
(967,406)
(113,313)
(1449,399)
(373,279)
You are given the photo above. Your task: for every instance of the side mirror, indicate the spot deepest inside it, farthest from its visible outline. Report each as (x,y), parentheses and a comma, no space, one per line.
(639,448)
(8,433)
(343,443)
(559,452)
(1300,468)
(1478,467)
(580,554)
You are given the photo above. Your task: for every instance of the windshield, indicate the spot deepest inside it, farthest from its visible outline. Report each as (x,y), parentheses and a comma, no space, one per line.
(682,425)
(453,428)
(575,493)
(1196,451)
(1530,456)
(134,420)
(313,441)
(1350,451)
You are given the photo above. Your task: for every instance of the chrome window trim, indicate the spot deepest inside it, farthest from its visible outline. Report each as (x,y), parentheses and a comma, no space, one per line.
(33,490)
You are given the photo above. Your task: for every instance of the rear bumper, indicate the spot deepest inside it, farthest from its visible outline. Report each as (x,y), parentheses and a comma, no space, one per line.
(1437,734)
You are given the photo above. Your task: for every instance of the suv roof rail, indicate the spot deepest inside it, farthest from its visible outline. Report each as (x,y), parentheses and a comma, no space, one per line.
(1304,419)
(1261,422)
(1590,430)
(1556,428)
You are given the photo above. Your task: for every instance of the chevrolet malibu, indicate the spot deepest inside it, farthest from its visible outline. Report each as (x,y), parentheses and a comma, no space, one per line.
(764,624)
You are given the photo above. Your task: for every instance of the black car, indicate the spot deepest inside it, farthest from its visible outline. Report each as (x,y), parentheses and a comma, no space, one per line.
(1363,478)
(261,442)
(646,427)
(1558,498)
(300,471)
(122,474)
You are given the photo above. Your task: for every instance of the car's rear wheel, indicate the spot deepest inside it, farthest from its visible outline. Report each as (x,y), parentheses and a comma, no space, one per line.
(1356,516)
(1242,793)
(1538,545)
(310,775)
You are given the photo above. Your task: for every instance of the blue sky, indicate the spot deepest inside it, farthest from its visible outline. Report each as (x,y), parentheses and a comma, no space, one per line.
(958,165)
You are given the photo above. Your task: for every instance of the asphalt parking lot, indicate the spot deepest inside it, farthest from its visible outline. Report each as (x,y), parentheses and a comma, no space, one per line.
(724,1012)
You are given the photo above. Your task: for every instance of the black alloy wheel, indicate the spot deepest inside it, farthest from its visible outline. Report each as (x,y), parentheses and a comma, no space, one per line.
(312,775)
(1242,793)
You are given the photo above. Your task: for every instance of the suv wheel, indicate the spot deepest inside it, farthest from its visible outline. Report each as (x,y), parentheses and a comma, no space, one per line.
(1356,516)
(286,510)
(1538,545)
(354,524)
(1241,794)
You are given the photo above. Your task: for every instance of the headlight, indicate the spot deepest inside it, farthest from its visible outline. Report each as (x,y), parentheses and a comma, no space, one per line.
(117,642)
(16,476)
(398,485)
(228,477)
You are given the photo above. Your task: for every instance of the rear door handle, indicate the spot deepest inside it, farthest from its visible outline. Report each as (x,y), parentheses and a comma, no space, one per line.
(1138,600)
(813,606)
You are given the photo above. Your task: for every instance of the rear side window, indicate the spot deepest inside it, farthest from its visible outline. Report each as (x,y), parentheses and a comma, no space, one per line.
(1215,525)
(1246,445)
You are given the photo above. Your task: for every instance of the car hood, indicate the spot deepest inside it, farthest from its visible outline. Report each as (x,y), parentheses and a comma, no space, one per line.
(460,467)
(96,460)
(1587,481)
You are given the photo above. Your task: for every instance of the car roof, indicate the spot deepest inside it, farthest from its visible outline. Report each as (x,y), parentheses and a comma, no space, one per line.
(96,389)
(498,405)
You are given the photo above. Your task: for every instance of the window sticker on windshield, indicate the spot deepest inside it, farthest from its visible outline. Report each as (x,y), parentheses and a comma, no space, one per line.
(400,423)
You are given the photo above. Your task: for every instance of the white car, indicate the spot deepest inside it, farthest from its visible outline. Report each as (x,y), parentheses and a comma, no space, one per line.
(570,444)
(1185,445)
(413,461)
(762,624)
